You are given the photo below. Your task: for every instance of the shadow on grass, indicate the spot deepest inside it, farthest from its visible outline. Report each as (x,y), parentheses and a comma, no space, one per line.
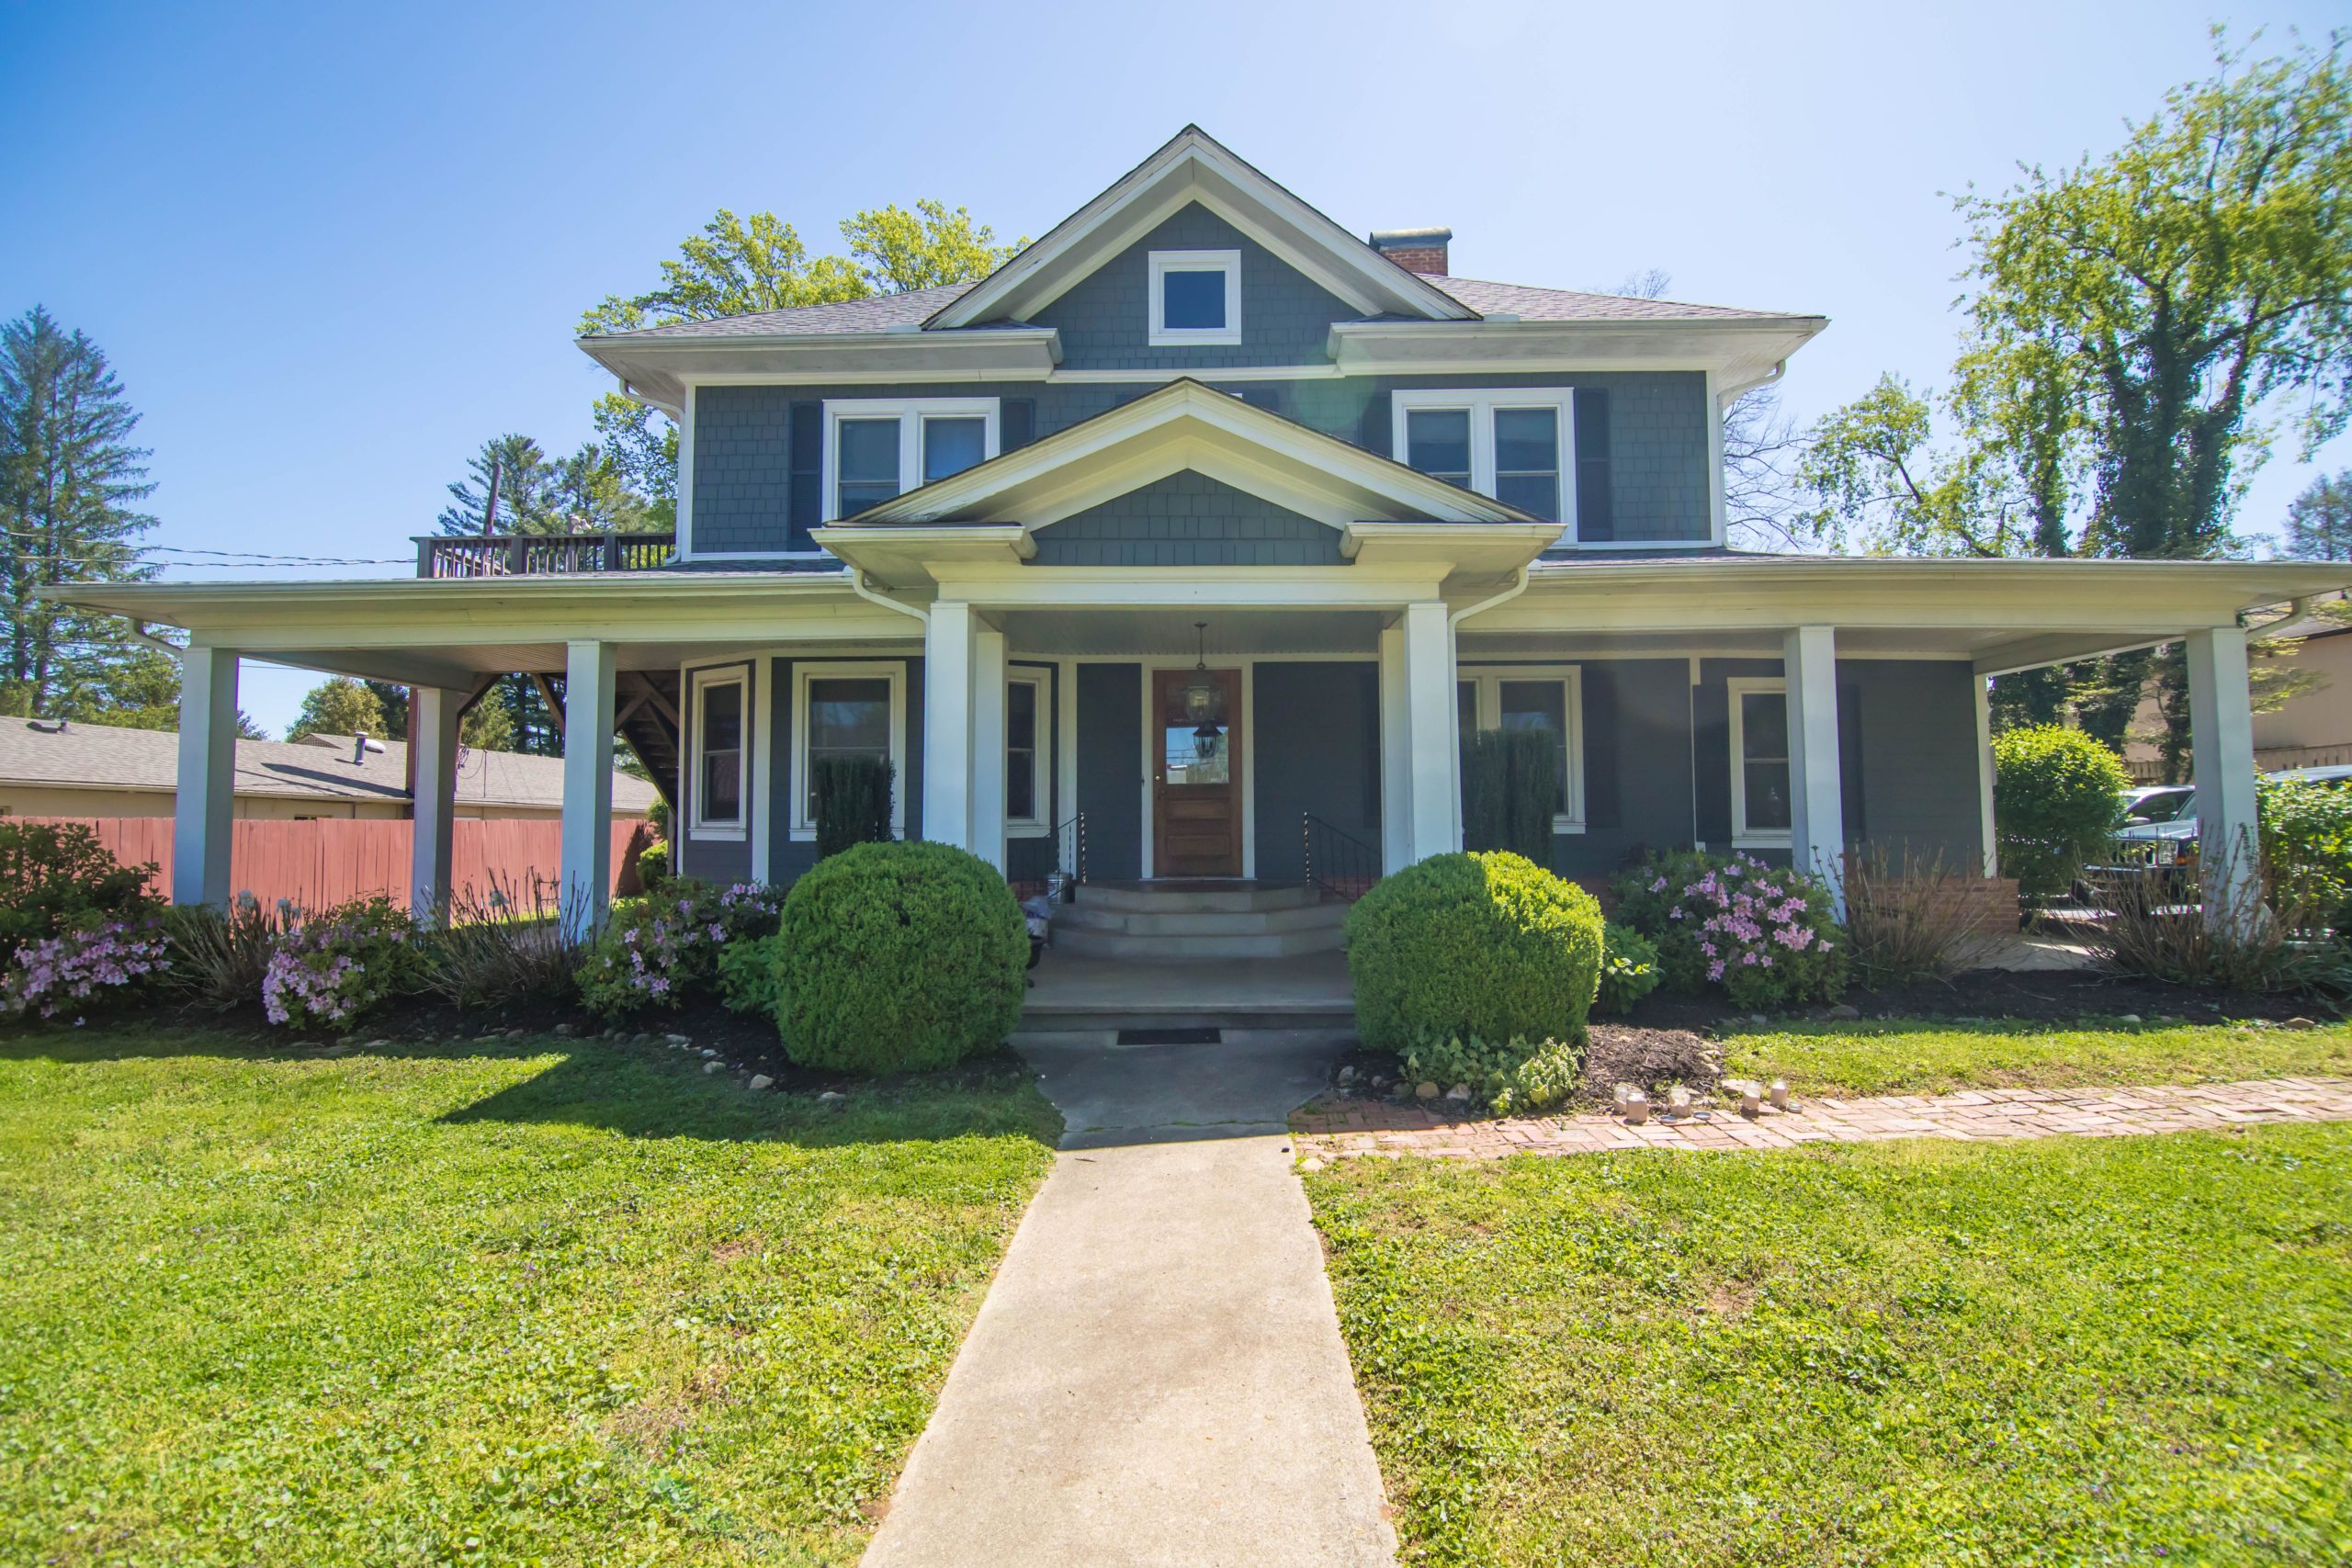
(635,1090)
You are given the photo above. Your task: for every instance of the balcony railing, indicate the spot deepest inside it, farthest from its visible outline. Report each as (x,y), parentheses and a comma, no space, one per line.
(539,555)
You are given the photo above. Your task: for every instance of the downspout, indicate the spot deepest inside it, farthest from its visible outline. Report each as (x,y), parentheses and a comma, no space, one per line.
(857,586)
(1730,394)
(1454,656)
(139,633)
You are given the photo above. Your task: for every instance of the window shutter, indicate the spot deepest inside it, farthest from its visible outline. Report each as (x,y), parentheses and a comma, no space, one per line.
(805,501)
(1601,798)
(1374,437)
(1016,423)
(1595,521)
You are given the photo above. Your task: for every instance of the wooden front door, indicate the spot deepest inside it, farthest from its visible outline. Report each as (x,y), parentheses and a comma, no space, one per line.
(1195,779)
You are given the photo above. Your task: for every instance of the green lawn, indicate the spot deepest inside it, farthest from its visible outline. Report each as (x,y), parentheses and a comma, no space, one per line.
(2072,1351)
(555,1303)
(1869,1057)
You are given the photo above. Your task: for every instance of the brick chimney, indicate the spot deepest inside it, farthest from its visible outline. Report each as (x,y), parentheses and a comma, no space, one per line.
(1415,250)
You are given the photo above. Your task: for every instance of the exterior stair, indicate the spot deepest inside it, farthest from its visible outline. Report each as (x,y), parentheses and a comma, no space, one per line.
(1203,922)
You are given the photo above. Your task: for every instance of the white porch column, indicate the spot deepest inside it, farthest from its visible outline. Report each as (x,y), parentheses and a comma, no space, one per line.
(207,769)
(1816,798)
(1984,777)
(587,866)
(1395,754)
(988,746)
(432,748)
(947,723)
(1436,823)
(2221,733)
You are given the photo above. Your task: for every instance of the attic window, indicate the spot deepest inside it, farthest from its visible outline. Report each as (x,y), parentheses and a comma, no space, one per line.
(1195,298)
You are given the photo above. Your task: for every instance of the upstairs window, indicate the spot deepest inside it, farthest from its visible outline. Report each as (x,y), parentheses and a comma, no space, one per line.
(877,448)
(1517,447)
(1195,298)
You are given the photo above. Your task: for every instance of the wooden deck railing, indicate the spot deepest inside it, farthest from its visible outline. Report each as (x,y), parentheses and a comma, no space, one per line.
(539,555)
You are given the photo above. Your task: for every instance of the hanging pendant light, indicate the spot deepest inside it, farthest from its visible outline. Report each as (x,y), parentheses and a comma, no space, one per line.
(1203,702)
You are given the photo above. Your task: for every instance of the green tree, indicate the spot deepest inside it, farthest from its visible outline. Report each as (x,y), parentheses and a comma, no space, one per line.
(506,490)
(70,485)
(485,726)
(2319,522)
(339,705)
(739,267)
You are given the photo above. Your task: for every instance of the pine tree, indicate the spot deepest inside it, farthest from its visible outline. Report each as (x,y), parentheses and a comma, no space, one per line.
(506,490)
(2319,521)
(70,484)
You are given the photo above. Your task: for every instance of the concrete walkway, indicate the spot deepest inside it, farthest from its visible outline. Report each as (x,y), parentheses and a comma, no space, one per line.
(1374,1127)
(1157,1374)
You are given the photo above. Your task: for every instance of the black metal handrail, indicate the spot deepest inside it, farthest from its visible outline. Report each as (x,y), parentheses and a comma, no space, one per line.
(1030,863)
(541,555)
(1339,864)
(1069,849)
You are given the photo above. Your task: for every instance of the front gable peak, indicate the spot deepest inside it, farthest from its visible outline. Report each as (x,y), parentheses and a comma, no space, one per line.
(1194,168)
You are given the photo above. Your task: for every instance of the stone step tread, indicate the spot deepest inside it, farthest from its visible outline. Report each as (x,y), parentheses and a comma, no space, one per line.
(1206,922)
(1192,899)
(1264,944)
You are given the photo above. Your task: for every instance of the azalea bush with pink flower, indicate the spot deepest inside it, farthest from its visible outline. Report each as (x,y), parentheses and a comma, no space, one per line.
(328,969)
(662,950)
(1767,935)
(80,970)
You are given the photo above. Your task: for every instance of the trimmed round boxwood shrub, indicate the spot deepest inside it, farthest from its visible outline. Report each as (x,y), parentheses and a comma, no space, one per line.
(900,956)
(1488,946)
(2057,794)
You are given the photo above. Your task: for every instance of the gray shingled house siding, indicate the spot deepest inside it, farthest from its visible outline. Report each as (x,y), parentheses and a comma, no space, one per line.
(1188,519)
(1105,319)
(1637,764)
(1317,728)
(1658,439)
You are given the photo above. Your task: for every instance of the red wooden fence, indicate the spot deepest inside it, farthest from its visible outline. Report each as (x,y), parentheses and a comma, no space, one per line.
(327,861)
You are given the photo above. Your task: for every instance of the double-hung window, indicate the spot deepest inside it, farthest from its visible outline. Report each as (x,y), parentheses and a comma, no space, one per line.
(1516,446)
(722,700)
(1195,298)
(1760,798)
(879,447)
(1028,753)
(1549,698)
(849,709)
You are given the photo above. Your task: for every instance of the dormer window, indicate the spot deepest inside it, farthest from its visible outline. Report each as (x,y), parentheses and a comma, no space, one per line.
(879,447)
(1195,298)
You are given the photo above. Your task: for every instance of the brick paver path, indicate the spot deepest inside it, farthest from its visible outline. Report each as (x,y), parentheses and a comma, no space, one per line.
(1330,1128)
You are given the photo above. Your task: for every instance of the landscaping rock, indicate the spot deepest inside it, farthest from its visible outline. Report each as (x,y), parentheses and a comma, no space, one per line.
(1760,1020)
(831,1094)
(1844,1010)
(1425,1091)
(377,1045)
(2134,1018)
(681,1040)
(566,1030)
(1459,1091)
(760,1081)
(340,1048)
(710,1066)
(2299,1021)
(1310,1165)
(707,1051)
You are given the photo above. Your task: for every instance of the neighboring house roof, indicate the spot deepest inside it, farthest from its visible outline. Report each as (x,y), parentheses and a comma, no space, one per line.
(881,312)
(103,756)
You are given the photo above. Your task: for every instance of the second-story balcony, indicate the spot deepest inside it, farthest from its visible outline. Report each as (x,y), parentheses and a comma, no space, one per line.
(541,555)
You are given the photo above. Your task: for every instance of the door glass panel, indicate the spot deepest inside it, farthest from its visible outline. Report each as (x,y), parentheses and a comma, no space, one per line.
(951,446)
(1540,705)
(1437,442)
(866,464)
(1194,758)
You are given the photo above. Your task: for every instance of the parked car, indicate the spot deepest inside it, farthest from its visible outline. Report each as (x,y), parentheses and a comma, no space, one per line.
(2159,831)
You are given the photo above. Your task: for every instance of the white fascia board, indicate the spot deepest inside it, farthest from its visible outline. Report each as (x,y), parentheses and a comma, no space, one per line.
(1730,347)
(1193,166)
(661,368)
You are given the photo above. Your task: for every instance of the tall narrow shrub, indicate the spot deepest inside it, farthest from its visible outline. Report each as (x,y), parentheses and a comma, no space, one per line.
(1511,790)
(852,804)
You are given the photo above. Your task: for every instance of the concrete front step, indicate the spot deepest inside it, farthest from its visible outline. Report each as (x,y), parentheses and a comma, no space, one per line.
(1206,922)
(1190,897)
(1323,938)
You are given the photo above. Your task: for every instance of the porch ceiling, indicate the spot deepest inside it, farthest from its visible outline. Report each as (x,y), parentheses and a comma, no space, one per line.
(1169,633)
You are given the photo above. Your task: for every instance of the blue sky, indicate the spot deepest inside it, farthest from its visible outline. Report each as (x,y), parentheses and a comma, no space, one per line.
(331,249)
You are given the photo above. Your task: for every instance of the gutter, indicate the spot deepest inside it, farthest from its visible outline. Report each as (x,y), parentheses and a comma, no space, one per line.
(1518,586)
(857,585)
(1726,396)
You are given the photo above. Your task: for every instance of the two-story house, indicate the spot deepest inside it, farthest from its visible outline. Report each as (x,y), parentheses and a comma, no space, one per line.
(1217,527)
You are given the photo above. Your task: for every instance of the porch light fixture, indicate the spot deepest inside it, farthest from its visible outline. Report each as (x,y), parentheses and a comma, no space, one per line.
(1200,698)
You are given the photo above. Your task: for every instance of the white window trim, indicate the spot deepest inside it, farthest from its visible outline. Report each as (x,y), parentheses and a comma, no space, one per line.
(1481,404)
(1042,774)
(909,413)
(1162,262)
(1735,688)
(1487,679)
(804,830)
(736,829)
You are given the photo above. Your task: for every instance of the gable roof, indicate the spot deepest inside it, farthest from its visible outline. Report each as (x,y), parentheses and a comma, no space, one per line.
(105,756)
(1194,167)
(1188,425)
(1530,304)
